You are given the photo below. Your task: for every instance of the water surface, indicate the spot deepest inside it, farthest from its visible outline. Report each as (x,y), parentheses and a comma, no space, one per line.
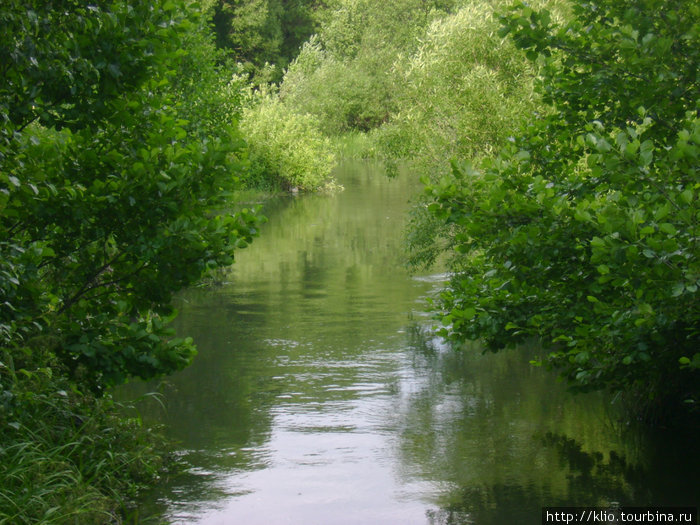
(319,395)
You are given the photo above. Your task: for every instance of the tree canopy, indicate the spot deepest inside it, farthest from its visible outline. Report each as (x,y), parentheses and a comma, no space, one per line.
(260,33)
(112,185)
(583,231)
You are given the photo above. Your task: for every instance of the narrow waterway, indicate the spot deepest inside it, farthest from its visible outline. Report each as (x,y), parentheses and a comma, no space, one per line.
(319,395)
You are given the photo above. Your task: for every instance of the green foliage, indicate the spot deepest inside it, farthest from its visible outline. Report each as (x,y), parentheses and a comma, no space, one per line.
(584,231)
(343,76)
(355,145)
(459,95)
(203,86)
(286,149)
(67,457)
(256,33)
(109,196)
(352,28)
(118,150)
(461,91)
(425,81)
(342,96)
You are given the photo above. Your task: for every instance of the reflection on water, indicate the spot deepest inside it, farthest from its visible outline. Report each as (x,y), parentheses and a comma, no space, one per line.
(509,440)
(319,396)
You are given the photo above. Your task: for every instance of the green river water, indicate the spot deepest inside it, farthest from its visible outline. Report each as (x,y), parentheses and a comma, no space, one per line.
(319,395)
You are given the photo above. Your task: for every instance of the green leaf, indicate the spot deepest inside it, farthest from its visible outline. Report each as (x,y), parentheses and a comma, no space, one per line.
(597,242)
(686,197)
(677,289)
(668,228)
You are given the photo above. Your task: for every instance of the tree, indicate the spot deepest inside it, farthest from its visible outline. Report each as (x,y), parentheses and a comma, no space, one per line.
(345,74)
(110,200)
(259,32)
(583,232)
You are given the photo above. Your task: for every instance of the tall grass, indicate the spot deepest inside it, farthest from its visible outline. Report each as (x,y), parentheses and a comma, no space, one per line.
(355,145)
(67,457)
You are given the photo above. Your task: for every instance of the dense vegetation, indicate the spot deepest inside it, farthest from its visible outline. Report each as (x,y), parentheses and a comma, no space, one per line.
(118,153)
(584,231)
(263,36)
(560,166)
(569,210)
(344,75)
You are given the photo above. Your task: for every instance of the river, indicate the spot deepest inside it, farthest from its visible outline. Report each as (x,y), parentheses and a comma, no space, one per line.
(320,396)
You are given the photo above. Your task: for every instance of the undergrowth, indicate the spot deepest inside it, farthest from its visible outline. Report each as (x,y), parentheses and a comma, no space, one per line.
(69,457)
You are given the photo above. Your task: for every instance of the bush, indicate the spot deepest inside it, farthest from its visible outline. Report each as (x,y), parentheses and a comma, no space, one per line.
(344,75)
(460,93)
(584,231)
(286,149)
(342,96)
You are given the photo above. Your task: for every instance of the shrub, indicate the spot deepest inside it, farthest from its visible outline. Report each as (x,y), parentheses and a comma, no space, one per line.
(286,149)
(584,231)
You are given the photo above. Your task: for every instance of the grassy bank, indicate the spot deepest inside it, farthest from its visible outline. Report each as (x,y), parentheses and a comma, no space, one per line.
(67,456)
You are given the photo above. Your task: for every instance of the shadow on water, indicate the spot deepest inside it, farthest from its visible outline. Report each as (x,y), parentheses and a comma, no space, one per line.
(592,477)
(501,465)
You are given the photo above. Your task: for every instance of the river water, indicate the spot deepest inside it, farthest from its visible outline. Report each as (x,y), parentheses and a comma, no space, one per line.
(319,395)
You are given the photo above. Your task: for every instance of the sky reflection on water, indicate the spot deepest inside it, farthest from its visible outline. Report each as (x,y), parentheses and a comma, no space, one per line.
(319,395)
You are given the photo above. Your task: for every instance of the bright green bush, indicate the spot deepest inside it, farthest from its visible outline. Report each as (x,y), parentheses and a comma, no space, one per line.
(343,95)
(286,149)
(344,76)
(460,93)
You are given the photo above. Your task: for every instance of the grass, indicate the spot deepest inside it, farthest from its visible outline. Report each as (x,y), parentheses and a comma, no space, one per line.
(67,457)
(355,145)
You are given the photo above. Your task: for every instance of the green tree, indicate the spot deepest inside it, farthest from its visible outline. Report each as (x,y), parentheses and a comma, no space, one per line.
(584,231)
(112,184)
(259,32)
(344,75)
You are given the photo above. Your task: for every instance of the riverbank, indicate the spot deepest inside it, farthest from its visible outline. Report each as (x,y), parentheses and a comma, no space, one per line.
(69,457)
